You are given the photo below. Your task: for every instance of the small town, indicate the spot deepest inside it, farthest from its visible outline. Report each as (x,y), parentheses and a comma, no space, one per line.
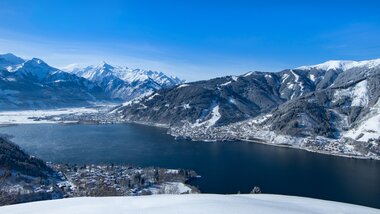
(122,180)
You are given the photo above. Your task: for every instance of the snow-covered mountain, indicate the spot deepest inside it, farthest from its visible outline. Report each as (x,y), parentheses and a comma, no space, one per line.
(337,101)
(123,82)
(34,84)
(343,65)
(10,61)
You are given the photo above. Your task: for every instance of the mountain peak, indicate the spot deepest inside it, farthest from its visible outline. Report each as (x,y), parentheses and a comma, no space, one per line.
(36,67)
(343,65)
(38,61)
(10,59)
(105,65)
(8,55)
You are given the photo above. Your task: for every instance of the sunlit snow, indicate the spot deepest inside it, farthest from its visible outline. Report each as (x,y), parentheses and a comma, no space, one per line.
(183,204)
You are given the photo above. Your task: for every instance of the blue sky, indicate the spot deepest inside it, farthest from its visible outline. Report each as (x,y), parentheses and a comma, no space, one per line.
(191,39)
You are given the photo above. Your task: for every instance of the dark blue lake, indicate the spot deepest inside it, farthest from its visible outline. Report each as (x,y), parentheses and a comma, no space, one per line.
(226,167)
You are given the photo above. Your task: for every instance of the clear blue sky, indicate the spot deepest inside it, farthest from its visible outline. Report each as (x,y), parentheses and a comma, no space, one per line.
(193,39)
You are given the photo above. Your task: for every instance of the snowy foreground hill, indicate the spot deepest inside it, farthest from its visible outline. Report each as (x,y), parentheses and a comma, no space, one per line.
(176,204)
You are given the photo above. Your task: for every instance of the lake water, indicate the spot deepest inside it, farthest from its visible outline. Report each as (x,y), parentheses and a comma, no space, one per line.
(225,167)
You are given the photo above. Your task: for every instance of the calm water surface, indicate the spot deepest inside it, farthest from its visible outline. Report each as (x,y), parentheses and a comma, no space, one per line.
(226,167)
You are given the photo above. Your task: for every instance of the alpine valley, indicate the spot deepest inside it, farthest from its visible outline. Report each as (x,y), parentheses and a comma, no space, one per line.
(331,108)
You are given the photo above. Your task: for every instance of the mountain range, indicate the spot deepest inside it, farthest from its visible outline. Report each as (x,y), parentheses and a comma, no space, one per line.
(122,82)
(33,84)
(332,102)
(332,107)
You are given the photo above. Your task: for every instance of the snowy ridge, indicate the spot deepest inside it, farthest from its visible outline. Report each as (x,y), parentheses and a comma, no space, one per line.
(182,85)
(183,204)
(247,74)
(35,67)
(127,74)
(343,65)
(123,82)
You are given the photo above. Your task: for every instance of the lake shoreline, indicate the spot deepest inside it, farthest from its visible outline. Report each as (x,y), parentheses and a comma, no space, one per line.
(167,127)
(101,115)
(226,167)
(259,142)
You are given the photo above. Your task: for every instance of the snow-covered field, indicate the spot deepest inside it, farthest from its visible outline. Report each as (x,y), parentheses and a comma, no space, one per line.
(177,204)
(28,116)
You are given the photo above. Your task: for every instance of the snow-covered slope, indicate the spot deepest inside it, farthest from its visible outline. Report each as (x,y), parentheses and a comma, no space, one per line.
(181,204)
(123,82)
(325,100)
(343,65)
(368,128)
